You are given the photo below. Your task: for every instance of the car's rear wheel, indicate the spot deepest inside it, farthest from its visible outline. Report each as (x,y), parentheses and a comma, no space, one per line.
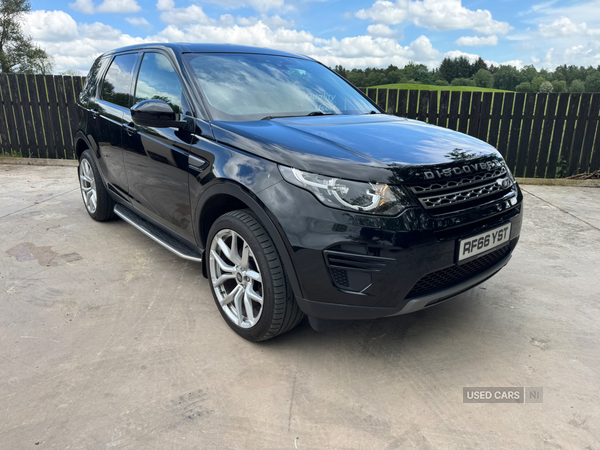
(97,202)
(247,278)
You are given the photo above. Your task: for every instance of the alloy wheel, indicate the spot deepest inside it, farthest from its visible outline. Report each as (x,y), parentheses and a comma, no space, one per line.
(236,278)
(88,186)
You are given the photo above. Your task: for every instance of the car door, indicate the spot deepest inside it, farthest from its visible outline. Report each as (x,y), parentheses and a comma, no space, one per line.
(156,159)
(108,117)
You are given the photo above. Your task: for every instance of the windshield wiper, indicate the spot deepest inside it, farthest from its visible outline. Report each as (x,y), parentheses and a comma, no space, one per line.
(276,117)
(371,112)
(321,113)
(314,113)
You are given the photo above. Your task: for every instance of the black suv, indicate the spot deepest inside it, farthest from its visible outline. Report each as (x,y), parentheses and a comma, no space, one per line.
(295,192)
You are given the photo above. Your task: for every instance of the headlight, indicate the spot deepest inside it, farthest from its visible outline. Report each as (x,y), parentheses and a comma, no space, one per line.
(372,198)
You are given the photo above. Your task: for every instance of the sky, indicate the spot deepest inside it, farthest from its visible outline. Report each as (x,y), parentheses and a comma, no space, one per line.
(353,33)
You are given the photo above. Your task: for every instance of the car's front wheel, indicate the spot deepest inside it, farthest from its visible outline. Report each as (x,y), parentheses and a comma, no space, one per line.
(247,278)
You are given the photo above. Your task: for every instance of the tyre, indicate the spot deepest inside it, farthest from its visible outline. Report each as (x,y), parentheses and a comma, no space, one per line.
(247,278)
(97,202)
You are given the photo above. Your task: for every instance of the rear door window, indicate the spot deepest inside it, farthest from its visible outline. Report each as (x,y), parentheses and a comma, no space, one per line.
(117,82)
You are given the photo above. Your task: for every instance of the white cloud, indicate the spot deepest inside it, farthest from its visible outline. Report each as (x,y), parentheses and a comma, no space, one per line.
(165,5)
(577,12)
(138,22)
(184,16)
(84,42)
(107,6)
(84,6)
(566,27)
(119,6)
(262,6)
(380,29)
(476,40)
(515,62)
(51,26)
(358,51)
(99,31)
(437,15)
(271,22)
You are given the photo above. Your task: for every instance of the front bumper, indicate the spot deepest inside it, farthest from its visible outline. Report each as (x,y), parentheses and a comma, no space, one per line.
(385,258)
(333,311)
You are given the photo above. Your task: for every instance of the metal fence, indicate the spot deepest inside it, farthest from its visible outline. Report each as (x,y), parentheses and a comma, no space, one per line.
(539,135)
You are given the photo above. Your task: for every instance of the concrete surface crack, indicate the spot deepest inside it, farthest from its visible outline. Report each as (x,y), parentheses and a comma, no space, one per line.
(292,400)
(560,209)
(38,203)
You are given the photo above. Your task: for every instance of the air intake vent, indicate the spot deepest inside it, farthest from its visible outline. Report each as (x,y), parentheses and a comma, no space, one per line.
(352,272)
(450,276)
(342,260)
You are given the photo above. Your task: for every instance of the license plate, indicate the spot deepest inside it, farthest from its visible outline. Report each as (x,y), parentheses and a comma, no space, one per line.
(475,245)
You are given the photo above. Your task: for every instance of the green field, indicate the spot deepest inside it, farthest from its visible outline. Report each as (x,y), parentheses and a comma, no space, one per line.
(431,87)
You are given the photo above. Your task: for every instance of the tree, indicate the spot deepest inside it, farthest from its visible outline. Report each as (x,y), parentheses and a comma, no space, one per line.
(546,87)
(483,78)
(528,73)
(559,86)
(478,65)
(592,81)
(340,70)
(536,83)
(525,86)
(18,53)
(577,86)
(70,73)
(447,70)
(442,82)
(506,77)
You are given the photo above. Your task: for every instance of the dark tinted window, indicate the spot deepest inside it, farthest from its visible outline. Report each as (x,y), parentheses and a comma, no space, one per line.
(89,90)
(158,80)
(117,82)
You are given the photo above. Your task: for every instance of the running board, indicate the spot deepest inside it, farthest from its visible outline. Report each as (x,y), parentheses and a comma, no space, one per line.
(157,235)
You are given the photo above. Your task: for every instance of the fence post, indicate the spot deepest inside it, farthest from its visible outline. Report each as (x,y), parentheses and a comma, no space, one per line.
(579,132)
(534,143)
(590,133)
(423,105)
(382,98)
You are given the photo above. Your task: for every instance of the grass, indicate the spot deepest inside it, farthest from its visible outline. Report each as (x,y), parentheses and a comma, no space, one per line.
(432,87)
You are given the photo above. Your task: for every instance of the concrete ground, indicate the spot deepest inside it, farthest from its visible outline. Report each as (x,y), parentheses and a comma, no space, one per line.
(107,340)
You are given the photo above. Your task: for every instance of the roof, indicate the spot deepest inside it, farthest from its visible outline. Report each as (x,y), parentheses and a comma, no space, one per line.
(185,47)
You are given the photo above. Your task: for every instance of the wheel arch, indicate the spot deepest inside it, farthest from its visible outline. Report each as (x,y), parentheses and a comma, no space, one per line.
(224,197)
(81,144)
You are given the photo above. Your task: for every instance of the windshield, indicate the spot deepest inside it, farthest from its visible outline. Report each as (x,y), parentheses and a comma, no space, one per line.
(239,87)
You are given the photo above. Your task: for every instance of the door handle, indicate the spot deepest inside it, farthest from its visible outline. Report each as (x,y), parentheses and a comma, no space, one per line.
(94,113)
(130,128)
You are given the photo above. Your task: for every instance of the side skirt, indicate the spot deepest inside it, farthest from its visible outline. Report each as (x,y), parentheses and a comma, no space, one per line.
(157,235)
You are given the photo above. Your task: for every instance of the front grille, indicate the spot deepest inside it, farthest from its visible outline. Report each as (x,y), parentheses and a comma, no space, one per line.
(464,180)
(450,276)
(440,197)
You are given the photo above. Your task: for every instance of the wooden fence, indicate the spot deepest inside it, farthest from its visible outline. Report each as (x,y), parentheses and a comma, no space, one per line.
(38,115)
(539,135)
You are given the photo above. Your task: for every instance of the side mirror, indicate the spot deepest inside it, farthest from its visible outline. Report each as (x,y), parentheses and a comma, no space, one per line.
(155,113)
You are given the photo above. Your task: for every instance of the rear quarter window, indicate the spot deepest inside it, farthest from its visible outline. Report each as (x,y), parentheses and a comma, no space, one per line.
(91,83)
